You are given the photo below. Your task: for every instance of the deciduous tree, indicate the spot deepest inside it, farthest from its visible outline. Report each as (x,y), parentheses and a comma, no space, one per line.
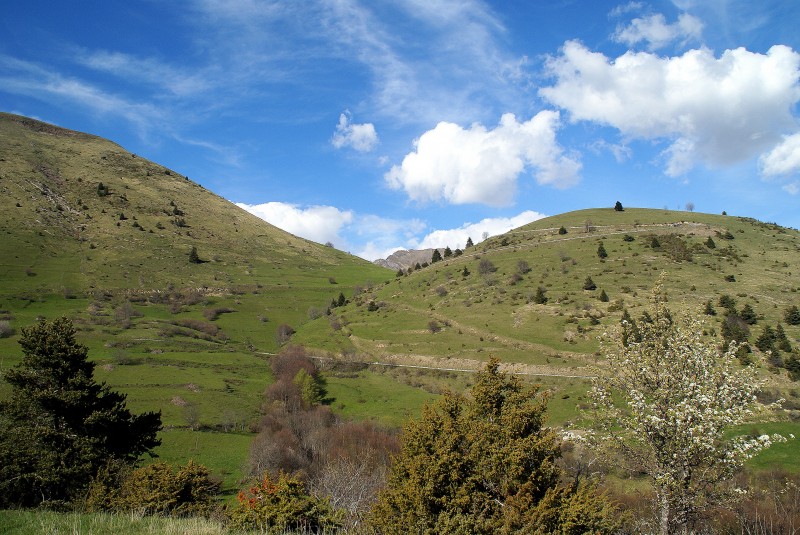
(667,403)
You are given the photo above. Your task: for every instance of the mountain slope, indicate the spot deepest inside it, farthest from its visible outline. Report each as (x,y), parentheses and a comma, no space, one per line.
(445,314)
(80,212)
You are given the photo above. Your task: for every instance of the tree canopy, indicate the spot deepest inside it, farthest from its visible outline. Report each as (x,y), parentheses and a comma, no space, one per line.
(486,464)
(666,404)
(59,426)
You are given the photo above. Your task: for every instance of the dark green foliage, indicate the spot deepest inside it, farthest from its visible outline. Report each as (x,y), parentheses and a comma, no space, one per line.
(654,243)
(562,230)
(628,238)
(792,365)
(710,243)
(603,296)
(792,315)
(766,341)
(618,207)
(781,340)
(483,465)
(156,489)
(59,426)
(589,284)
(281,506)
(469,243)
(102,189)
(193,257)
(341,300)
(540,298)
(436,256)
(465,272)
(709,309)
(601,251)
(730,278)
(399,273)
(748,314)
(457,253)
(728,303)
(311,386)
(447,252)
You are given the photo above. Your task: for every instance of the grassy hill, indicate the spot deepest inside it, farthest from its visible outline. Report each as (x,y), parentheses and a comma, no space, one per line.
(103,236)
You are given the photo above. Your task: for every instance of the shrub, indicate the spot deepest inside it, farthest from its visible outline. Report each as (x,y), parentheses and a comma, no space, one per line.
(562,230)
(618,207)
(603,296)
(5,329)
(156,489)
(434,327)
(284,333)
(748,314)
(628,238)
(601,251)
(589,284)
(523,267)
(486,267)
(282,505)
(212,314)
(730,278)
(540,298)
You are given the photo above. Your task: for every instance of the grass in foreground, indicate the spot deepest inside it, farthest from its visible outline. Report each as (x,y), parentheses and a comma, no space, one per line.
(37,522)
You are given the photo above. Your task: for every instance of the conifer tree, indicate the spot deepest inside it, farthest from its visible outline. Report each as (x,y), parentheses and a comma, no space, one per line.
(469,243)
(59,426)
(486,464)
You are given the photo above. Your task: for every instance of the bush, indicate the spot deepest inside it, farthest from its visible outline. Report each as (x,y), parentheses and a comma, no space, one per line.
(589,284)
(628,238)
(282,505)
(156,489)
(284,333)
(5,329)
(486,267)
(562,230)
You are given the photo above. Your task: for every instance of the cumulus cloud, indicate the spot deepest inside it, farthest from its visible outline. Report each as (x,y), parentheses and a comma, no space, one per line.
(321,224)
(716,111)
(457,237)
(360,137)
(475,165)
(657,33)
(783,159)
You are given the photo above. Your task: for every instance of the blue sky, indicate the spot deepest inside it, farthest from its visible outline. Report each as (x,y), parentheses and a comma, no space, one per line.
(380,125)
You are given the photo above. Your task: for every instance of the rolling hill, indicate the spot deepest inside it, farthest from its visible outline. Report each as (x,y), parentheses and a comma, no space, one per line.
(104,236)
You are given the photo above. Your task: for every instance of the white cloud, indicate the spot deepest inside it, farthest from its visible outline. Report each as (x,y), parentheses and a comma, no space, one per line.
(654,30)
(361,137)
(625,8)
(476,165)
(715,111)
(457,237)
(321,224)
(792,189)
(783,159)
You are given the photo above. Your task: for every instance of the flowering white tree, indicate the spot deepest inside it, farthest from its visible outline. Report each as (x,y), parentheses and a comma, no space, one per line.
(668,398)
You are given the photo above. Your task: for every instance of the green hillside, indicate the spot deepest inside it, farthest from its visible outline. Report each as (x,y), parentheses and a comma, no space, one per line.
(104,237)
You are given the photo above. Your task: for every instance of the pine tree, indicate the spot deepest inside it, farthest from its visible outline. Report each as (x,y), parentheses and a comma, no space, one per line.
(540,298)
(589,284)
(469,243)
(618,207)
(436,256)
(603,296)
(193,257)
(562,230)
(792,315)
(59,426)
(601,251)
(447,252)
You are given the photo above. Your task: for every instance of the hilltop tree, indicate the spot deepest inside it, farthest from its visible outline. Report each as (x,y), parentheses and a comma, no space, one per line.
(618,207)
(59,426)
(486,464)
(469,243)
(448,252)
(436,256)
(666,405)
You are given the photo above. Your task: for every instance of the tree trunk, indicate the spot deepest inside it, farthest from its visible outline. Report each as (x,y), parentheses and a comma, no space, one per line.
(663,505)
